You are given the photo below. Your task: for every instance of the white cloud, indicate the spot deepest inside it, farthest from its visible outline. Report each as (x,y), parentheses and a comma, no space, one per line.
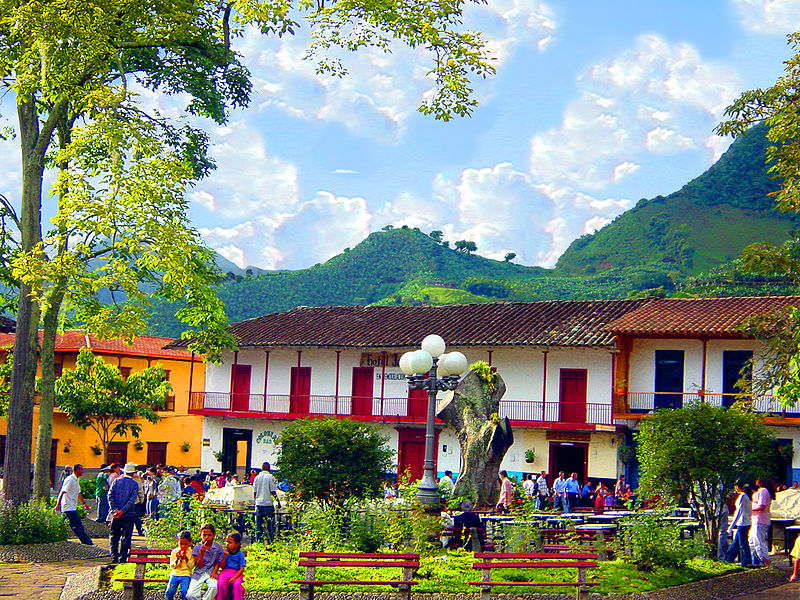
(656,97)
(771,17)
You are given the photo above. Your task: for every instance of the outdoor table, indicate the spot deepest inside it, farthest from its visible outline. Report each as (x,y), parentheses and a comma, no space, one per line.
(560,522)
(597,527)
(783,524)
(602,518)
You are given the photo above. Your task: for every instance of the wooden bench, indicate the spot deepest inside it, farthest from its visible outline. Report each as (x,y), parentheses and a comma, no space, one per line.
(535,560)
(141,557)
(311,560)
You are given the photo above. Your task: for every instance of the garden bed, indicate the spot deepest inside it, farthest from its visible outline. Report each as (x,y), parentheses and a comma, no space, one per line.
(51,552)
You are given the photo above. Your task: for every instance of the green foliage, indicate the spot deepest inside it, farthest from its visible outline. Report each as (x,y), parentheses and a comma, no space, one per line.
(333,460)
(653,542)
(696,453)
(5,380)
(94,394)
(487,287)
(163,531)
(32,522)
(485,373)
(88,487)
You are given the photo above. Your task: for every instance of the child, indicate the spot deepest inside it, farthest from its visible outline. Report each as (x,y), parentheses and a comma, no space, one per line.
(182,563)
(231,568)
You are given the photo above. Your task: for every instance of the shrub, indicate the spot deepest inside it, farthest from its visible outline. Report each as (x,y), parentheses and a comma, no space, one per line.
(187,514)
(651,542)
(88,487)
(31,523)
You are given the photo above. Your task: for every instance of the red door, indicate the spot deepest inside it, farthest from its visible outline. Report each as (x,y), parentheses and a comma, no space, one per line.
(572,395)
(411,446)
(362,391)
(240,377)
(418,404)
(300,391)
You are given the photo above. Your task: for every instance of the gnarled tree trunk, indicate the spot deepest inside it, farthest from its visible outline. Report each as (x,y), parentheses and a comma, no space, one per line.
(484,438)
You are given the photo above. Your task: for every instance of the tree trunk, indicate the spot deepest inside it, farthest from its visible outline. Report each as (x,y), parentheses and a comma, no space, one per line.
(484,439)
(44,436)
(16,485)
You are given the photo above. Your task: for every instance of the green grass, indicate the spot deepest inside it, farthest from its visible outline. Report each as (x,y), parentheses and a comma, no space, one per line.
(272,571)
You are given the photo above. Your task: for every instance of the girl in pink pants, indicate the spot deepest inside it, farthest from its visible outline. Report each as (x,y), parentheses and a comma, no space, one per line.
(231,569)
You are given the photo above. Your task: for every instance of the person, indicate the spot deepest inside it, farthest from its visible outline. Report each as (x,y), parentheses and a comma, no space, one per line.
(795,486)
(141,501)
(122,496)
(265,489)
(600,496)
(151,481)
(101,493)
(207,554)
(795,554)
(446,485)
(560,492)
(542,490)
(388,490)
(169,490)
(528,486)
(64,474)
(194,481)
(463,523)
(759,524)
(253,475)
(182,563)
(67,503)
(620,489)
(506,493)
(232,566)
(740,526)
(573,490)
(587,494)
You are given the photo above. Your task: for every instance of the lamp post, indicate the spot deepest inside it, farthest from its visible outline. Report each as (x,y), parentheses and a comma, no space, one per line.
(432,370)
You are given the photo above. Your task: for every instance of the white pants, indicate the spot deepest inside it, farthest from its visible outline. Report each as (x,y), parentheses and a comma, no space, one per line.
(195,585)
(758,542)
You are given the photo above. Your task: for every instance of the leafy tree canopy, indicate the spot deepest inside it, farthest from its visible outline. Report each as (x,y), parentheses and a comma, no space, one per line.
(332,460)
(94,394)
(697,453)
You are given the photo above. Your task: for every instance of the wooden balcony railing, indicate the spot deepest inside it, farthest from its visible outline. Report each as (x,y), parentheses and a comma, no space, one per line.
(644,402)
(277,406)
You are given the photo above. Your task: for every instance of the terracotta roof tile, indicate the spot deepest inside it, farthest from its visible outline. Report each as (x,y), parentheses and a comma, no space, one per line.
(696,316)
(143,345)
(557,323)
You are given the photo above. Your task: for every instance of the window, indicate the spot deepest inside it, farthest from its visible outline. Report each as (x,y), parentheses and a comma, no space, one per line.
(733,362)
(669,379)
(125,372)
(157,453)
(118,452)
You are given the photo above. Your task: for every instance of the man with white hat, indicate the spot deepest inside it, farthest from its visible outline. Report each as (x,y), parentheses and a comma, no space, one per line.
(122,496)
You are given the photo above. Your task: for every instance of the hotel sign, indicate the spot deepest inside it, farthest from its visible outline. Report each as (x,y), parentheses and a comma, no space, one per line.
(375,359)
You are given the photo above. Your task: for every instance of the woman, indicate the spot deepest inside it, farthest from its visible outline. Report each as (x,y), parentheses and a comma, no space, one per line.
(740,526)
(759,523)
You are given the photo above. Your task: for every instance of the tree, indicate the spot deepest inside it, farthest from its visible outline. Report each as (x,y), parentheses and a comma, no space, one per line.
(332,460)
(484,438)
(68,66)
(94,394)
(465,246)
(697,453)
(510,256)
(777,107)
(436,235)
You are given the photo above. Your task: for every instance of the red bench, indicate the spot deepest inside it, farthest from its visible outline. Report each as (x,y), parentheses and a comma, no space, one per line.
(311,560)
(581,561)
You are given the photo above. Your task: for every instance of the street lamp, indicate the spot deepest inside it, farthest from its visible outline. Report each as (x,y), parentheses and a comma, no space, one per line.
(432,370)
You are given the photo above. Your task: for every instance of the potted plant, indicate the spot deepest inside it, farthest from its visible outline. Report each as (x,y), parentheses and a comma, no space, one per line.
(219,455)
(97,449)
(530,455)
(138,444)
(67,445)
(186,446)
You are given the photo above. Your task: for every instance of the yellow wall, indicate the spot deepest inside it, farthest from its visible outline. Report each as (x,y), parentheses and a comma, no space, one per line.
(173,428)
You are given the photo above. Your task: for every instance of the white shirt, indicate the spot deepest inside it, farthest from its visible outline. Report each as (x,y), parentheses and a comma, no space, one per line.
(69,493)
(263,486)
(528,486)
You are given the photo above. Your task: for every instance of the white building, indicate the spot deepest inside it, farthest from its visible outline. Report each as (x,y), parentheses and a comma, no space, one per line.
(579,375)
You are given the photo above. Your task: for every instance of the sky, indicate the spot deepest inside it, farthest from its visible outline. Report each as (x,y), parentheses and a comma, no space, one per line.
(594,105)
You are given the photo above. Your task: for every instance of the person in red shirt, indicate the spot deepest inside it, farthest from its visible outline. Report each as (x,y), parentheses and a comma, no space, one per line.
(199,490)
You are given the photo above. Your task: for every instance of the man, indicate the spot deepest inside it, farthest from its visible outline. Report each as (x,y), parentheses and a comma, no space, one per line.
(265,488)
(573,489)
(206,565)
(67,503)
(542,490)
(169,490)
(151,481)
(560,492)
(101,493)
(587,491)
(122,496)
(506,493)
(528,486)
(446,485)
(463,524)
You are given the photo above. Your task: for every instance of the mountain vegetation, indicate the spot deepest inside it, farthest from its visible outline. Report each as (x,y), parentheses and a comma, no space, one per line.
(687,243)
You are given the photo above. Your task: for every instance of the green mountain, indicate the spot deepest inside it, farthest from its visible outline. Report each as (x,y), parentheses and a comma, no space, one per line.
(704,224)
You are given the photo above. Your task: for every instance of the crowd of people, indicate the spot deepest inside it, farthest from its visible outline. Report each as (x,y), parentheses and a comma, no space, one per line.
(566,493)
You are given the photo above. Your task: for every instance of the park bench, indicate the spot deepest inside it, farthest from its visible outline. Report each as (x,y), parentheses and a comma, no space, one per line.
(311,560)
(566,540)
(581,561)
(141,557)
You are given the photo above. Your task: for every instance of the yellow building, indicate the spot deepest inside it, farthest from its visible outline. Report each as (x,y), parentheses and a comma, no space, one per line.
(175,439)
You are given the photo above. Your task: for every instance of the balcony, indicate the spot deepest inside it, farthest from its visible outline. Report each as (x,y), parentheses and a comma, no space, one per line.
(640,403)
(529,413)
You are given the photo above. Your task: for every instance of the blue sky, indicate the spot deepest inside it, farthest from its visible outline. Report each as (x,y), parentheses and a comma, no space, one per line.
(594,106)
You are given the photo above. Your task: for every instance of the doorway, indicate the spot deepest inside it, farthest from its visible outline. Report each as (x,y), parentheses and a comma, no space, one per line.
(362,391)
(418,404)
(240,385)
(669,379)
(117,452)
(237,449)
(570,457)
(411,452)
(572,395)
(300,391)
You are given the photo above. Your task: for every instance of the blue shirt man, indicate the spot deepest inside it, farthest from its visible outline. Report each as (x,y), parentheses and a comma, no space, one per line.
(122,496)
(573,490)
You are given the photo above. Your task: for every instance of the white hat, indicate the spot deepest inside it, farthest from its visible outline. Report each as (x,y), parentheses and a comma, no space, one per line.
(130,467)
